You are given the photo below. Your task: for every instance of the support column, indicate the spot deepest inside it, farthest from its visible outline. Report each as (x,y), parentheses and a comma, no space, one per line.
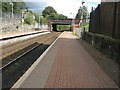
(72,24)
(49,26)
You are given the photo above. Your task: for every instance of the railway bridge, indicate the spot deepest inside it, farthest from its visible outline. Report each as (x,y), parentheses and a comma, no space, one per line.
(52,23)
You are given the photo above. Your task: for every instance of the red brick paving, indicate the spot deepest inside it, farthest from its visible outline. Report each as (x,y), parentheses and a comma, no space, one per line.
(75,68)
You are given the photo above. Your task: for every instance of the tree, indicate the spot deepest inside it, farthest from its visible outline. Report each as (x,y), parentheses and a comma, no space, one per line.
(43,20)
(48,11)
(61,16)
(29,19)
(17,7)
(6,6)
(39,17)
(82,12)
(52,15)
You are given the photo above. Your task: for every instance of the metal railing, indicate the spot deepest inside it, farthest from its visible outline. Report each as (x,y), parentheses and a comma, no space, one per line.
(9,15)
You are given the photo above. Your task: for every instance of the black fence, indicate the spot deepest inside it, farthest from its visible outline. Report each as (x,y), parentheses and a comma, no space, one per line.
(105,19)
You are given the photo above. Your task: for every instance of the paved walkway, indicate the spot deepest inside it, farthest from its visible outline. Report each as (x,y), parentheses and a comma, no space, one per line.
(67,65)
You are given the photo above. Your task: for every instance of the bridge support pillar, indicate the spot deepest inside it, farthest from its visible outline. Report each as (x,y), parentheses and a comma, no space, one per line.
(54,27)
(49,27)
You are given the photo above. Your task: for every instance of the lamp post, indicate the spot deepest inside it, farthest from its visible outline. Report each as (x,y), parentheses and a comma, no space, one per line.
(81,21)
(82,11)
(23,11)
(39,22)
(22,21)
(12,8)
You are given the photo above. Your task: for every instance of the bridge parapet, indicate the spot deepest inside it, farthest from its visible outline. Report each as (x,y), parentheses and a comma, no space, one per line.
(71,20)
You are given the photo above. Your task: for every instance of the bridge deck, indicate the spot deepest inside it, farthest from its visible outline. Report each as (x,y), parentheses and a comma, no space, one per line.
(66,65)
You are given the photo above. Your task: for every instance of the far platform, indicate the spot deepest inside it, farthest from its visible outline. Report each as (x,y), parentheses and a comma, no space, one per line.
(15,34)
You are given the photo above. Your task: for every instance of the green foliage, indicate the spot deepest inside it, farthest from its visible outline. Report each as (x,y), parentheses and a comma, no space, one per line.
(6,7)
(61,16)
(54,15)
(0,5)
(82,12)
(31,12)
(29,19)
(63,27)
(48,11)
(86,26)
(40,19)
(43,20)
(17,7)
(108,45)
(36,17)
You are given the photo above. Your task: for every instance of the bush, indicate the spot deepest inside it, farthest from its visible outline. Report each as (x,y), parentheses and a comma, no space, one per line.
(63,27)
(108,45)
(29,19)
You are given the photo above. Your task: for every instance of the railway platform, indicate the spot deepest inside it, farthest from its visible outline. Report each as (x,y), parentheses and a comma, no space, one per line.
(65,64)
(18,34)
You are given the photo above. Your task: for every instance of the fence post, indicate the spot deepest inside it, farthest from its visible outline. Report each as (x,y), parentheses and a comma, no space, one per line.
(114,19)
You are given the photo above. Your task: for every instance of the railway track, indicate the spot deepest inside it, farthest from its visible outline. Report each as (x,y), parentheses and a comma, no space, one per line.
(13,45)
(13,70)
(18,57)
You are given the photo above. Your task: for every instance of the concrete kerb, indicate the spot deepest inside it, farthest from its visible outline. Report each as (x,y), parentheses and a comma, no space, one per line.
(27,73)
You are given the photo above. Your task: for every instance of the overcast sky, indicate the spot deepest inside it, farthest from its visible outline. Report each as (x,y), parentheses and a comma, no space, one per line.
(66,7)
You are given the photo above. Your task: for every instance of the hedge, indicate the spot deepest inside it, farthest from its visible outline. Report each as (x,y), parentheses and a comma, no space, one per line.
(108,45)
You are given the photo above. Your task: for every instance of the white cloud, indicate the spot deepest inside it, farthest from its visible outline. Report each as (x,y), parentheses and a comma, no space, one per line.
(68,6)
(97,1)
(92,3)
(71,6)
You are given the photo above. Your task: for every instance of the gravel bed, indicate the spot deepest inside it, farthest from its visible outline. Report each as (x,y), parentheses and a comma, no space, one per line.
(11,46)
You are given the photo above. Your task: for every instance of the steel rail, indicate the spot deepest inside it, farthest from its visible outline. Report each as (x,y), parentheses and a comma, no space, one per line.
(1,68)
(19,57)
